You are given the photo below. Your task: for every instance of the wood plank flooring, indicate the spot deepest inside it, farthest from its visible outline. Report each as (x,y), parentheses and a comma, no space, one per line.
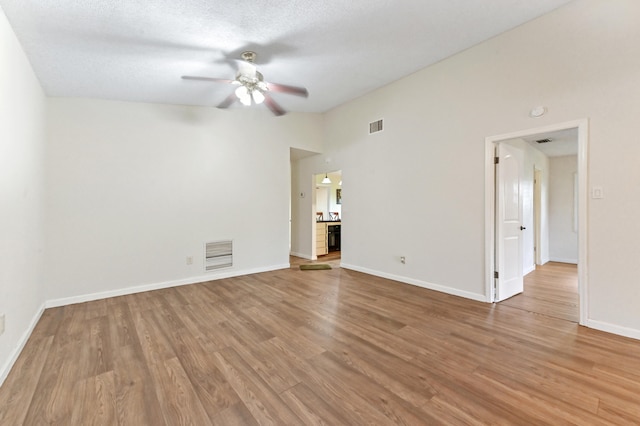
(332,347)
(333,258)
(552,290)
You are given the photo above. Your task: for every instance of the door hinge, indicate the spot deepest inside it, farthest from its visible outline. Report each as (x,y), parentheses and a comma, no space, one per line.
(496,160)
(495,274)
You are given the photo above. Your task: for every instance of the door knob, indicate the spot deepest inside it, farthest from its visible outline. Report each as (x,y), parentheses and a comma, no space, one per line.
(522,228)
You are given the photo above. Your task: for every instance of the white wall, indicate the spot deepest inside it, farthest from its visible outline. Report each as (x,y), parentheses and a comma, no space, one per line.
(301,212)
(580,61)
(563,235)
(336,178)
(133,189)
(322,200)
(22,121)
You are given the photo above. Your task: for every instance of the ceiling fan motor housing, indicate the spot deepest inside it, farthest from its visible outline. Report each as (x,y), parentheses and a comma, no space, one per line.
(248,56)
(252,83)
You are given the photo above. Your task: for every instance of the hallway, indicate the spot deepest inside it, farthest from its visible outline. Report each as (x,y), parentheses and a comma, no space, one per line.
(551,290)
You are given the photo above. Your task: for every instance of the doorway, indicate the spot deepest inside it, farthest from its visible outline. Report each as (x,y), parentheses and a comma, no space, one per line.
(537,216)
(327,229)
(494,246)
(550,290)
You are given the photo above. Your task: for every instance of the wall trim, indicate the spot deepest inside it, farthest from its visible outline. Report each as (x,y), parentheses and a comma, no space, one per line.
(406,280)
(54,303)
(6,368)
(302,255)
(562,260)
(614,329)
(529,269)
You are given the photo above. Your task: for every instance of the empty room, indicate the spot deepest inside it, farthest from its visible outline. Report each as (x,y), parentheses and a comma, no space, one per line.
(249,213)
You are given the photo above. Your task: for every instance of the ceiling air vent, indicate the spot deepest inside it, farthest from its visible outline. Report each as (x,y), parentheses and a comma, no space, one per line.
(544,140)
(375,127)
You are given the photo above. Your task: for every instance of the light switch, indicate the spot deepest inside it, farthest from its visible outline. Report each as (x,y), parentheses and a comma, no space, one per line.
(597,192)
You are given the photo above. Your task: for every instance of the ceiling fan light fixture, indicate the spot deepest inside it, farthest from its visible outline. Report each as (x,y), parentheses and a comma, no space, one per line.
(243,94)
(258,97)
(251,87)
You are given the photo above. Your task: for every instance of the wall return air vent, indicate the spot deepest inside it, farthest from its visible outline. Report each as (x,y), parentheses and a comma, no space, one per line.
(375,127)
(218,254)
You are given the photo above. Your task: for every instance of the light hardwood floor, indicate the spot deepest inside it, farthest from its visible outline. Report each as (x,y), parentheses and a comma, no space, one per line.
(333,347)
(333,259)
(552,290)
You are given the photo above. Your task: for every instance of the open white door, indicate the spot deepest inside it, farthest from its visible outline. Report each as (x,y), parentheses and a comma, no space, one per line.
(509,242)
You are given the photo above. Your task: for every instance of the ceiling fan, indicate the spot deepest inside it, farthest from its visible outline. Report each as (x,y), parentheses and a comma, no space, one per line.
(252,87)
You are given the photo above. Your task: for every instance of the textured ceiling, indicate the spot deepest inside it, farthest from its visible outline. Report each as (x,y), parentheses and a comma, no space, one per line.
(137,50)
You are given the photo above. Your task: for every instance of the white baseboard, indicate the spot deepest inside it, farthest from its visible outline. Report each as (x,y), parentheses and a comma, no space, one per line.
(419,283)
(157,286)
(302,255)
(563,260)
(615,329)
(529,270)
(6,368)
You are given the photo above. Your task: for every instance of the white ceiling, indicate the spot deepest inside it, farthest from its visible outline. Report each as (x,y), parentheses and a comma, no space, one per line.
(137,50)
(563,142)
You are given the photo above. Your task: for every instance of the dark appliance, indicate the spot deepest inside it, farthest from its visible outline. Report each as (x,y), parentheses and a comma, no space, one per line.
(333,237)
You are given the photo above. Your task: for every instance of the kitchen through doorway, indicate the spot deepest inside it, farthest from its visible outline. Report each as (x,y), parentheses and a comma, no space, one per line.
(328,215)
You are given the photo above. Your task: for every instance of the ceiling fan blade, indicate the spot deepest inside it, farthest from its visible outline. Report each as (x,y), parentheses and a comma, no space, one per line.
(292,90)
(228,101)
(273,106)
(217,80)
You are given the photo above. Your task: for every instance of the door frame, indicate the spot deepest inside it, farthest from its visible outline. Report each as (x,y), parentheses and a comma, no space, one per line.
(490,241)
(537,215)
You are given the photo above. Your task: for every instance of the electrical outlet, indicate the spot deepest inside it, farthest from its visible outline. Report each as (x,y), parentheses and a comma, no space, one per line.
(1,323)
(403,260)
(189,260)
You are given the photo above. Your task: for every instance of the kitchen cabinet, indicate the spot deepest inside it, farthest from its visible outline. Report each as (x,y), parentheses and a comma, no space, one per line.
(321,238)
(327,237)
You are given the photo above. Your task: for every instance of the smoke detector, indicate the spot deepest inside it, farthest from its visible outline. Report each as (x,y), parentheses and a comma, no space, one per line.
(538,111)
